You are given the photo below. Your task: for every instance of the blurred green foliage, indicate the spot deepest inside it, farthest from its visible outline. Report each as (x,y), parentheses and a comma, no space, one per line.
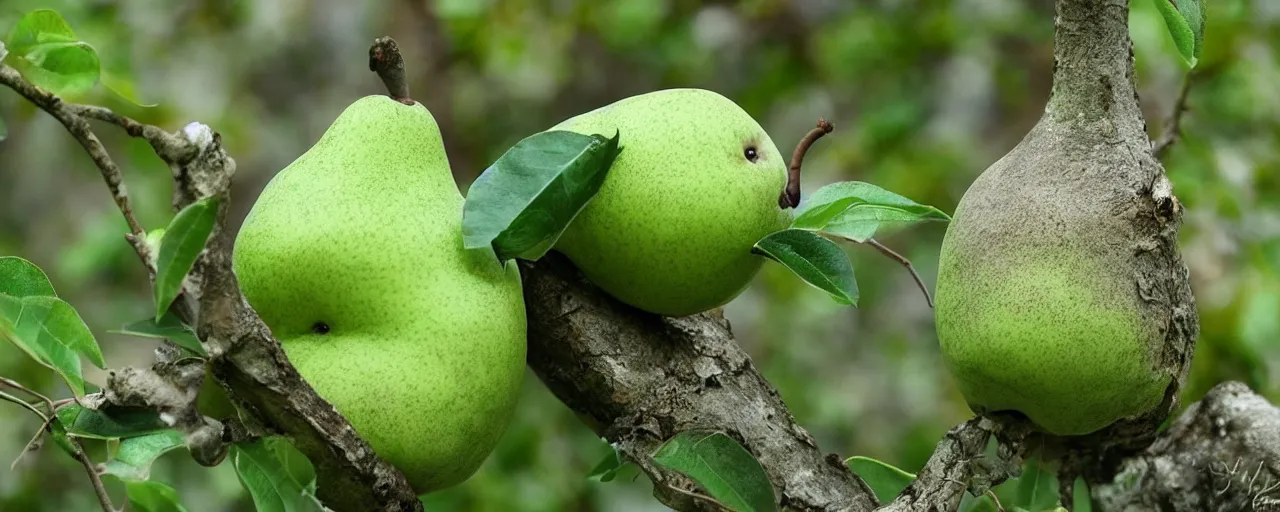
(924,95)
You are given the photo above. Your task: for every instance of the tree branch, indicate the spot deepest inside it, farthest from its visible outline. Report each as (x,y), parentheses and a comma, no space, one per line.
(957,464)
(637,379)
(904,262)
(1222,455)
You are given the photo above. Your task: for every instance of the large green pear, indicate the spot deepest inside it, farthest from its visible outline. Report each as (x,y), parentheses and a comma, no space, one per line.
(353,257)
(695,187)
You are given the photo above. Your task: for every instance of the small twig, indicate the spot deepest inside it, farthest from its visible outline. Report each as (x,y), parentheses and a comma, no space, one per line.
(1172,126)
(900,259)
(103,498)
(699,496)
(386,61)
(790,197)
(25,404)
(80,455)
(15,385)
(70,117)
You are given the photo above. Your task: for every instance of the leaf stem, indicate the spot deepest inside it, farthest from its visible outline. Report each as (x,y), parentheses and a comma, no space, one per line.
(790,197)
(15,385)
(699,496)
(386,61)
(900,259)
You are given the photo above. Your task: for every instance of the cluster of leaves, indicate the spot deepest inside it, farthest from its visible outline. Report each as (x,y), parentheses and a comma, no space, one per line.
(278,477)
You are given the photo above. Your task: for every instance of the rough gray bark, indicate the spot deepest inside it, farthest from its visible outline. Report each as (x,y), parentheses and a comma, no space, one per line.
(638,379)
(1222,455)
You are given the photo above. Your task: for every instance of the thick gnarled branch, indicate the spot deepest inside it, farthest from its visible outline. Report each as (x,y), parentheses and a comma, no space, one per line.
(638,379)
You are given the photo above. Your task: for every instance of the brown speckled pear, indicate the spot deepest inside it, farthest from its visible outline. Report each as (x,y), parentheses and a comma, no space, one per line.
(695,187)
(353,257)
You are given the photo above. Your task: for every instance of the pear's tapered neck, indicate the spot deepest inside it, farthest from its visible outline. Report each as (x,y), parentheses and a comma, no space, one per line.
(1093,65)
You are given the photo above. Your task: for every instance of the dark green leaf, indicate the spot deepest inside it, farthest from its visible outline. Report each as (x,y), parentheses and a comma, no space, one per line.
(1082,501)
(855,210)
(268,481)
(971,503)
(1194,13)
(294,462)
(169,328)
(111,422)
(153,497)
(726,470)
(132,460)
(815,259)
(1037,487)
(884,479)
(181,245)
(522,203)
(609,467)
(51,332)
(21,278)
(1184,38)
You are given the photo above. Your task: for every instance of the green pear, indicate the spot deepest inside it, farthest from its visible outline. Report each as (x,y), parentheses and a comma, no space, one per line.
(695,187)
(353,257)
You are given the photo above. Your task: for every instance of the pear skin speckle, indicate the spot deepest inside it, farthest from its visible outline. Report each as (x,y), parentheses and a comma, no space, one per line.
(425,348)
(672,228)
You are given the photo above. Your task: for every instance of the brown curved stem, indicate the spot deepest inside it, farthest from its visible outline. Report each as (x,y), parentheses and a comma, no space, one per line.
(386,61)
(790,197)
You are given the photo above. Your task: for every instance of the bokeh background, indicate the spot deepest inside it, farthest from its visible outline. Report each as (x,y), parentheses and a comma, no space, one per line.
(924,95)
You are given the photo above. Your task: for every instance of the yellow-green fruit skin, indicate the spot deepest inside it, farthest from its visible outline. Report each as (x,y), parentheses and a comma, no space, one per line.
(426,344)
(672,228)
(1045,328)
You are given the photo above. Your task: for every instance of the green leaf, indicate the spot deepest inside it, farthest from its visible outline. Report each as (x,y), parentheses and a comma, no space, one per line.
(153,497)
(1037,487)
(884,479)
(522,203)
(181,245)
(48,53)
(1184,37)
(111,422)
(268,481)
(168,328)
(295,463)
(21,278)
(971,503)
(1082,501)
(133,458)
(817,261)
(727,471)
(609,467)
(68,69)
(51,332)
(855,210)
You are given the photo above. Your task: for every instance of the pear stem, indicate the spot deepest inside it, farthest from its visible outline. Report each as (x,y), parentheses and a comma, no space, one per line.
(790,197)
(386,61)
